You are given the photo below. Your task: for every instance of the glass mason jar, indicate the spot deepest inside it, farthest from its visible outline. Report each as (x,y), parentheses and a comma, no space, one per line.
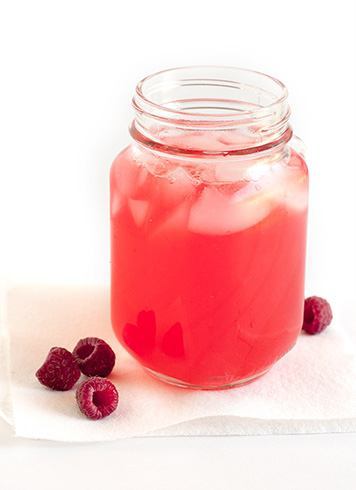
(208,227)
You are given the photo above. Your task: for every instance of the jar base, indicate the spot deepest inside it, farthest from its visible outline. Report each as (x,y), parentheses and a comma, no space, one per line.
(183,384)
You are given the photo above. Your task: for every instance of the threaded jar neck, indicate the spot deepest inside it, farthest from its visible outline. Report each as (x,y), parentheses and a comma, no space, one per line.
(211,110)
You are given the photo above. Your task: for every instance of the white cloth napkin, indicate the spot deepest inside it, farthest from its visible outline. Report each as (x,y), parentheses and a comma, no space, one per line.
(312,389)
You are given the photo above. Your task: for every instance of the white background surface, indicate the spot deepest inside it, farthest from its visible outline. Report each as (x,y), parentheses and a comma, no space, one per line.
(68,72)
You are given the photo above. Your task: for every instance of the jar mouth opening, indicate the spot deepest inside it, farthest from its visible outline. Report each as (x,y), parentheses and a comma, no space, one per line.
(208,94)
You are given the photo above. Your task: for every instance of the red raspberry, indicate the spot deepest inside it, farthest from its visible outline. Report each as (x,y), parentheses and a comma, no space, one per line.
(317,315)
(59,371)
(97,398)
(94,357)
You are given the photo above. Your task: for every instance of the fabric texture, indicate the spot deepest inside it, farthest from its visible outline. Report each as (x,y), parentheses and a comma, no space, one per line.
(311,390)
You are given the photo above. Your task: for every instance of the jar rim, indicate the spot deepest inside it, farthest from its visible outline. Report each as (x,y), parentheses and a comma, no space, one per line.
(209,75)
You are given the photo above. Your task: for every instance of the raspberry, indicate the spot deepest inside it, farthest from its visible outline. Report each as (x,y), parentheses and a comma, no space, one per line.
(317,315)
(94,357)
(97,398)
(59,371)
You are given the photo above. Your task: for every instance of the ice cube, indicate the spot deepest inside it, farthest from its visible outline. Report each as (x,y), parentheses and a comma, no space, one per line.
(215,213)
(139,210)
(229,172)
(187,139)
(142,187)
(126,177)
(297,194)
(142,177)
(238,138)
(175,188)
(258,171)
(115,204)
(291,181)
(206,173)
(130,176)
(176,220)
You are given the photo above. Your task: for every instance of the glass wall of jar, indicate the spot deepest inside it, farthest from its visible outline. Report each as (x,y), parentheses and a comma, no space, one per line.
(208,227)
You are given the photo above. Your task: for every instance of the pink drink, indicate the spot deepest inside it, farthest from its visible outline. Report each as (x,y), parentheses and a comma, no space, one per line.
(207,277)
(208,228)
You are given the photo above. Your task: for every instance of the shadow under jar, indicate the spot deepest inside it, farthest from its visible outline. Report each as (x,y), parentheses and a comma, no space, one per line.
(208,227)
